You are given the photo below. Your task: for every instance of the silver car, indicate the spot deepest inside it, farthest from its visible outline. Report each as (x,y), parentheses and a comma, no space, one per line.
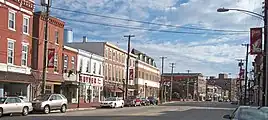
(9,105)
(49,102)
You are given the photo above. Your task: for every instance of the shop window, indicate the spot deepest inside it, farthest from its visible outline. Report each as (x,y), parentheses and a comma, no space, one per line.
(48,89)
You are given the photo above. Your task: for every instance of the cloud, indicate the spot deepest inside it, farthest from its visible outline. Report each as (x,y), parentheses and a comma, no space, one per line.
(209,53)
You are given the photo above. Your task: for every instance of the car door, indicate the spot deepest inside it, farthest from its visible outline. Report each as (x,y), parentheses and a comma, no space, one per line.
(53,102)
(19,104)
(10,106)
(58,101)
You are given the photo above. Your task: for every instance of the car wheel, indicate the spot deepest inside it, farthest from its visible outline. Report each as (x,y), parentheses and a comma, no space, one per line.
(115,105)
(122,105)
(63,108)
(25,111)
(1,112)
(46,109)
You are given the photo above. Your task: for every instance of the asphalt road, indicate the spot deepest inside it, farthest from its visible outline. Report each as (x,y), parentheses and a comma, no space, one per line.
(171,111)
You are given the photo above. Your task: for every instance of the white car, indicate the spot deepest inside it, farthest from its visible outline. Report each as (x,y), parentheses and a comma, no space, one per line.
(112,102)
(9,105)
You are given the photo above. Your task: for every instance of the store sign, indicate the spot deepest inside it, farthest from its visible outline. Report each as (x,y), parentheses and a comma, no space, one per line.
(51,53)
(255,41)
(131,74)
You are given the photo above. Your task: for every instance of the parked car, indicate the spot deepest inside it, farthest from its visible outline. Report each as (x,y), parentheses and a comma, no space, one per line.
(234,102)
(145,101)
(153,100)
(49,102)
(248,113)
(132,101)
(9,105)
(112,102)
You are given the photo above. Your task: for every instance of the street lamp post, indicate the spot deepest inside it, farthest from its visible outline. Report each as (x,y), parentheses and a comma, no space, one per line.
(265,68)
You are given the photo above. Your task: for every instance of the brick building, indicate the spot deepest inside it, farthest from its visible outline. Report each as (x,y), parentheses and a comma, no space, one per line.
(196,85)
(15,39)
(147,75)
(227,84)
(70,83)
(55,41)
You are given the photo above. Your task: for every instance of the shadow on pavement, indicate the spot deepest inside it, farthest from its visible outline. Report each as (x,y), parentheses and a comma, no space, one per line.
(202,104)
(192,114)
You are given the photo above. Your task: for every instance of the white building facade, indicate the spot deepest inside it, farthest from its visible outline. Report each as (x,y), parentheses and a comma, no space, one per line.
(90,76)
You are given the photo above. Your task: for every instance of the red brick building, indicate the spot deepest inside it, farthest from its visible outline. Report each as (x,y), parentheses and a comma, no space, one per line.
(15,39)
(70,85)
(196,85)
(55,41)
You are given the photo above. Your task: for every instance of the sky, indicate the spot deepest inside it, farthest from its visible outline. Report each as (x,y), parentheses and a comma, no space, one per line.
(192,44)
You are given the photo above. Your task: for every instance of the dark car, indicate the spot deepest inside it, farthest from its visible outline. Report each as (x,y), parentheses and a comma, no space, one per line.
(132,101)
(153,100)
(145,101)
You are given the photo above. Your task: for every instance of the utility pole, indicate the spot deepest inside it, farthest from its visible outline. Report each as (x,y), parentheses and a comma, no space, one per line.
(265,68)
(161,81)
(128,51)
(240,64)
(187,85)
(246,74)
(171,81)
(47,5)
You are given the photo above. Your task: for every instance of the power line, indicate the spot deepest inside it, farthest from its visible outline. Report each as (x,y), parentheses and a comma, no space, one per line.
(146,22)
(147,29)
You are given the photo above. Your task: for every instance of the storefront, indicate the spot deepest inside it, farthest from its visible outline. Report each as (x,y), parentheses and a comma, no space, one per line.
(97,87)
(15,84)
(54,83)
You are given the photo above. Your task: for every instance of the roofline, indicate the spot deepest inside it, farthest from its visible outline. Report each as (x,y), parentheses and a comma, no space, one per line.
(70,48)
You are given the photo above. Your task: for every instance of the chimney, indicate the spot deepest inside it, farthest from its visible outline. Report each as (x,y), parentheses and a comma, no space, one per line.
(84,39)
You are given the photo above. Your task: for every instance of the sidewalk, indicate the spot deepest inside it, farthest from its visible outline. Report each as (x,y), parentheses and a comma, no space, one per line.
(83,106)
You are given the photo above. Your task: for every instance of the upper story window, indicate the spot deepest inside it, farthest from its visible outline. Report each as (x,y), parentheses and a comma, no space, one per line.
(10,50)
(73,62)
(110,54)
(81,65)
(26,22)
(57,37)
(65,64)
(100,68)
(11,20)
(106,52)
(56,62)
(24,55)
(88,66)
(94,68)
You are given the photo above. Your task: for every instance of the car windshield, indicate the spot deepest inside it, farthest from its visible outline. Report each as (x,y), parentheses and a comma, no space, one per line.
(2,100)
(251,113)
(42,97)
(111,99)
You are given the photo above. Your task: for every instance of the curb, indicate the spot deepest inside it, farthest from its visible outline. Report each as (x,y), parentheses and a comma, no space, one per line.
(80,109)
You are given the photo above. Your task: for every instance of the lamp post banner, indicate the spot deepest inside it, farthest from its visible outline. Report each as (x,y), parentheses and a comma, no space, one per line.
(51,53)
(255,41)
